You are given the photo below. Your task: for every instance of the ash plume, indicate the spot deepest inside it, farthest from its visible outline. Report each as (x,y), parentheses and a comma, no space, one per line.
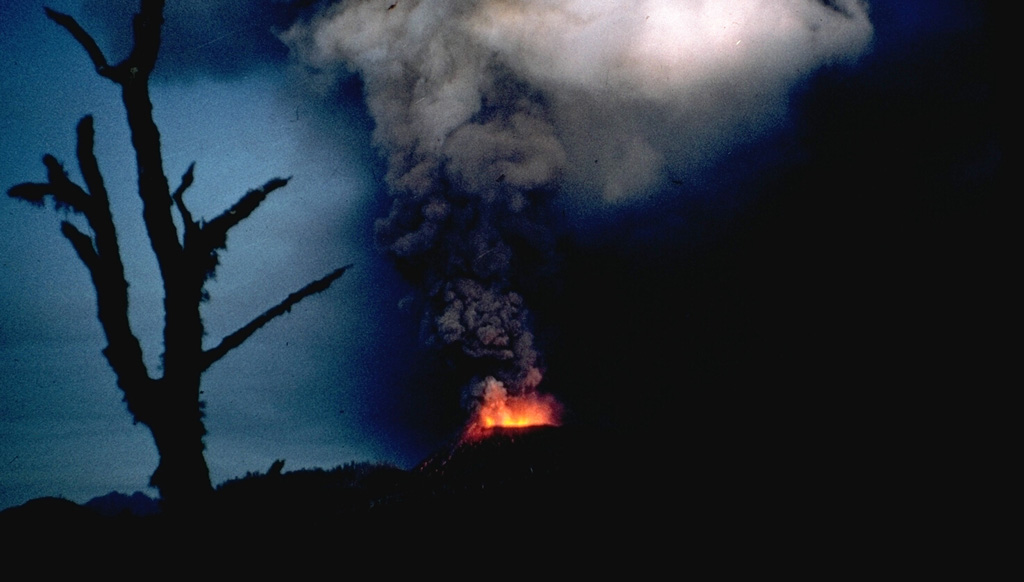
(484,109)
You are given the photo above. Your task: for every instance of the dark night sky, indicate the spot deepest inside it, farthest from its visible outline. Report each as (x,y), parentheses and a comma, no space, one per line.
(798,252)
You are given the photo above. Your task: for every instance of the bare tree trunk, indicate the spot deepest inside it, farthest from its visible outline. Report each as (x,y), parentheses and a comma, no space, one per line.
(169,406)
(182,476)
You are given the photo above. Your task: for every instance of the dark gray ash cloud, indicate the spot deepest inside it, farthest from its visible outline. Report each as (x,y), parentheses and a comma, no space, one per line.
(484,109)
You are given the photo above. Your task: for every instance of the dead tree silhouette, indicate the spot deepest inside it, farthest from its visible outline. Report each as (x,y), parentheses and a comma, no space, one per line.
(168,404)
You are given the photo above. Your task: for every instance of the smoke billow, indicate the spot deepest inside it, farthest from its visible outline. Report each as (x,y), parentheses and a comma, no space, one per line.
(486,108)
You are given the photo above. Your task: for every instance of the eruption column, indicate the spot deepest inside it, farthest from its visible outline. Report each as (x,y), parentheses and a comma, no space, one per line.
(484,108)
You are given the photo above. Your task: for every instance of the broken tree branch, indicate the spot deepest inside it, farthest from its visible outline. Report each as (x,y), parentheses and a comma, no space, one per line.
(216,231)
(88,43)
(83,245)
(66,194)
(179,201)
(32,192)
(236,339)
(87,163)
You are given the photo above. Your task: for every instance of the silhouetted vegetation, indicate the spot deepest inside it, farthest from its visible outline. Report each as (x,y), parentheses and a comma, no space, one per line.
(309,496)
(553,475)
(168,405)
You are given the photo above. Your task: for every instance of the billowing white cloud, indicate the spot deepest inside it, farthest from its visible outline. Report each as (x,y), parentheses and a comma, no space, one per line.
(638,86)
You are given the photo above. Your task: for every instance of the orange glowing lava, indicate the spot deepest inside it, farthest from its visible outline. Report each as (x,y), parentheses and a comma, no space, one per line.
(499,409)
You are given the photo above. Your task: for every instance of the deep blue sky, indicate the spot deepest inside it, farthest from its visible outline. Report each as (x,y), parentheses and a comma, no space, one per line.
(814,258)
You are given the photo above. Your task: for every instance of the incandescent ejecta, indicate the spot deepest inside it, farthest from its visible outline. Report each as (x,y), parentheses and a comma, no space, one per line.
(484,109)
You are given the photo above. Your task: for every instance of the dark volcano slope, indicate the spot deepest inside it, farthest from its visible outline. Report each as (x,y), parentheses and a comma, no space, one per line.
(543,474)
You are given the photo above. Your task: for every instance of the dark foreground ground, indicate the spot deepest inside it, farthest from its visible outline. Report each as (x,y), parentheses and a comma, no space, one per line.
(545,500)
(524,498)
(543,487)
